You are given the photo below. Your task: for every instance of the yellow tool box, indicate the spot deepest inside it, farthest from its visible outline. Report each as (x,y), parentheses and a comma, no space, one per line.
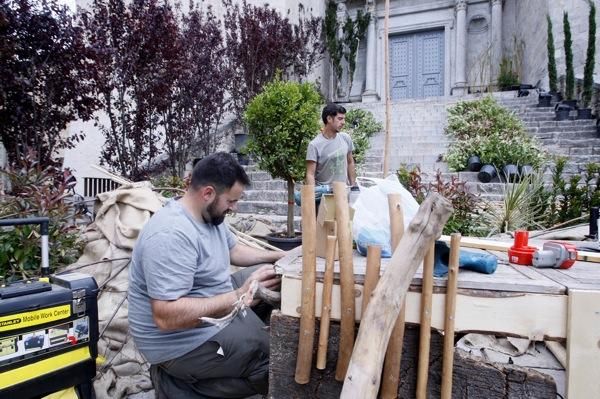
(48,330)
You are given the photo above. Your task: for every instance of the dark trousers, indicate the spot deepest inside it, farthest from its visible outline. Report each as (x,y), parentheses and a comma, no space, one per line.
(232,364)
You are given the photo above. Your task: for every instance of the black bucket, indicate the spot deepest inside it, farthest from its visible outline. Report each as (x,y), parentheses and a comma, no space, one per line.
(486,173)
(474,163)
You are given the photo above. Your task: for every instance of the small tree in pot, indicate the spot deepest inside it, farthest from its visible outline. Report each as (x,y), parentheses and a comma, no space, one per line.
(588,74)
(570,78)
(281,121)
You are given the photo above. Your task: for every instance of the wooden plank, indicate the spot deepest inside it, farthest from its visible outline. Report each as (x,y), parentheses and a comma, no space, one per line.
(583,344)
(512,278)
(527,315)
(474,242)
(582,275)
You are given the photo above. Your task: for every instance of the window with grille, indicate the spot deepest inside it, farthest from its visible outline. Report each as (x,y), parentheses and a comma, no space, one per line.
(93,186)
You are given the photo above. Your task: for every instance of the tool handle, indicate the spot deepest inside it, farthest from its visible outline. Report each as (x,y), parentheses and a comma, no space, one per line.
(44,223)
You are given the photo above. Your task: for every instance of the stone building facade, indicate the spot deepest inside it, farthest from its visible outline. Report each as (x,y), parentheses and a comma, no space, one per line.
(453,47)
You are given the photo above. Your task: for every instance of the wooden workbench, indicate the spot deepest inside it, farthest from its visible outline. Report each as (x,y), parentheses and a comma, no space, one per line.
(522,301)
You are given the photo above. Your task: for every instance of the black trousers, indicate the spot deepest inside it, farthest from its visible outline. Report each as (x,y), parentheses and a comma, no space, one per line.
(232,364)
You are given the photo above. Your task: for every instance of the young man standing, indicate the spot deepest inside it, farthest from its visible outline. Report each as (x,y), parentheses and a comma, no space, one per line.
(329,156)
(180,273)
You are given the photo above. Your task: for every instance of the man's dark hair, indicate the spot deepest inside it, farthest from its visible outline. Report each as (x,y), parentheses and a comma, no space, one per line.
(332,110)
(220,170)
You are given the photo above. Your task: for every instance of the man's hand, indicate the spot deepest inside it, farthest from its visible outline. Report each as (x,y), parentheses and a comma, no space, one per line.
(266,277)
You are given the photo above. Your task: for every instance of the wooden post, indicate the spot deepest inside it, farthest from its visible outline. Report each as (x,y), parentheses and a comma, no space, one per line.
(371,274)
(386,78)
(393,356)
(448,354)
(309,266)
(342,216)
(326,309)
(364,372)
(425,328)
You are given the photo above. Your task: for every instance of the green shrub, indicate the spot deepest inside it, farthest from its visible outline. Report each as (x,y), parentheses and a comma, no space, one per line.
(36,191)
(361,125)
(570,74)
(588,73)
(281,121)
(507,77)
(490,131)
(552,74)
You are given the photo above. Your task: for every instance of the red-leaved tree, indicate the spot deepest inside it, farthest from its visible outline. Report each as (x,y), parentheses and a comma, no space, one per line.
(260,42)
(44,78)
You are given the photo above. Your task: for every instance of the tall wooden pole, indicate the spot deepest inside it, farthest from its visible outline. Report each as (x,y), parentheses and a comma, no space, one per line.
(386,78)
(347,322)
(425,328)
(326,309)
(309,266)
(371,274)
(451,287)
(393,355)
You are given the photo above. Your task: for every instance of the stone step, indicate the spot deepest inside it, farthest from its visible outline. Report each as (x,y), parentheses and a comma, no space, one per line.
(277,222)
(268,185)
(265,208)
(265,195)
(577,122)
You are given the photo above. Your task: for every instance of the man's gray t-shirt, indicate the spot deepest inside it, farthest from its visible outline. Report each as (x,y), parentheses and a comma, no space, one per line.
(331,156)
(175,256)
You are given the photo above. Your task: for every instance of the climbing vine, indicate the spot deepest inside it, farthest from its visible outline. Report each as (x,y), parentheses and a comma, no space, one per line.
(346,47)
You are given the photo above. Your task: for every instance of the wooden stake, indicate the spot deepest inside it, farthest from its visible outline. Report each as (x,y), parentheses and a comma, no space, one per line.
(364,372)
(448,354)
(342,215)
(326,309)
(371,274)
(393,356)
(425,328)
(309,266)
(386,78)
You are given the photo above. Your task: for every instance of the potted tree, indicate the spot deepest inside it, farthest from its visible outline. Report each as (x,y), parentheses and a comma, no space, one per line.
(588,75)
(281,121)
(552,74)
(570,73)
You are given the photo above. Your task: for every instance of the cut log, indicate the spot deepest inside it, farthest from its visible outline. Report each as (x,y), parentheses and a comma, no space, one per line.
(473,378)
(364,372)
(342,216)
(371,274)
(309,265)
(326,308)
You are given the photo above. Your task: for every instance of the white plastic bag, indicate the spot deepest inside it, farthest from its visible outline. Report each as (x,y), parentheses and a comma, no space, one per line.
(371,222)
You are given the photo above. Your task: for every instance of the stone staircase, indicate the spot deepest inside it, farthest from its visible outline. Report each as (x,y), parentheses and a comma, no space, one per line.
(418,139)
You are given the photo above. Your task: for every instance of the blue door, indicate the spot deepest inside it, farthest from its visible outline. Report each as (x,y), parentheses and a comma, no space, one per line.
(417,65)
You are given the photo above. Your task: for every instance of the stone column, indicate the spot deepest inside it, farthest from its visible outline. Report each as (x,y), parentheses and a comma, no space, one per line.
(342,83)
(460,84)
(496,38)
(370,93)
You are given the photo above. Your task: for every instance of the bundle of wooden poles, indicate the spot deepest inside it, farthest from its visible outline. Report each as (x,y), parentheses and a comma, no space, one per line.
(374,358)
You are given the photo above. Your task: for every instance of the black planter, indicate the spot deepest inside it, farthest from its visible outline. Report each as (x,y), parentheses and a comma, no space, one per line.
(474,163)
(511,172)
(545,100)
(526,170)
(570,103)
(285,243)
(584,113)
(556,97)
(598,127)
(240,141)
(243,159)
(561,112)
(486,173)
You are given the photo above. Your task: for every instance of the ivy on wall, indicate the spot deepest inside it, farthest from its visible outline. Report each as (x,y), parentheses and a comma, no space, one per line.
(345,47)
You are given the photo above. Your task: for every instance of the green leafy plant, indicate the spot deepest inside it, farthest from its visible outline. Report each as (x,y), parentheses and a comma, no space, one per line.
(507,77)
(570,79)
(466,215)
(361,125)
(36,191)
(488,130)
(519,209)
(281,121)
(552,74)
(588,73)
(170,186)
